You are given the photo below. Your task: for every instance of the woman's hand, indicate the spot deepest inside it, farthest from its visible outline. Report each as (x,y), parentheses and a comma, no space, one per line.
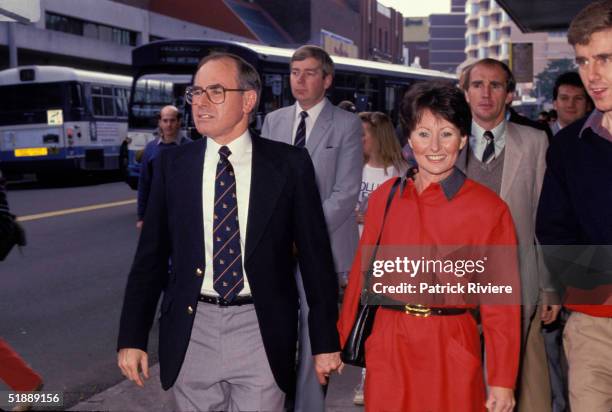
(360,218)
(500,399)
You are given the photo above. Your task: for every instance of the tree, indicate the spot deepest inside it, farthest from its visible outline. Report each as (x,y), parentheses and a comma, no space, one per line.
(545,80)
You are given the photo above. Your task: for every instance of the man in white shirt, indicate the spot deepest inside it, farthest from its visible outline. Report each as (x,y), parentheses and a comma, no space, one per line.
(509,159)
(570,100)
(227,210)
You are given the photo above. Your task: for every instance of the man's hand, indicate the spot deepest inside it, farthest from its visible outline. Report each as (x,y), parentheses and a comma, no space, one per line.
(326,363)
(129,361)
(550,307)
(550,313)
(500,399)
(139,224)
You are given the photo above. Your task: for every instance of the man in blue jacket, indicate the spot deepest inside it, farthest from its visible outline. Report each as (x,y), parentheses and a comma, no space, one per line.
(169,123)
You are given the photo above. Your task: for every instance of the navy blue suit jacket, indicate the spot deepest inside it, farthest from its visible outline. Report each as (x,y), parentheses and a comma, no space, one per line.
(284,208)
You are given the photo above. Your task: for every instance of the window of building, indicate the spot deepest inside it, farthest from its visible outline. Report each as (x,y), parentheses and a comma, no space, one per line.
(380,39)
(88,29)
(447,32)
(386,41)
(63,23)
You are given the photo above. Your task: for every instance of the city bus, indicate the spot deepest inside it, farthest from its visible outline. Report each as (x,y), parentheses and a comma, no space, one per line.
(55,120)
(163,69)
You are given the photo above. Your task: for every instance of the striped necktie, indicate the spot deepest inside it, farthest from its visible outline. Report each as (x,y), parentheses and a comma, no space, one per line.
(300,134)
(227,256)
(489,150)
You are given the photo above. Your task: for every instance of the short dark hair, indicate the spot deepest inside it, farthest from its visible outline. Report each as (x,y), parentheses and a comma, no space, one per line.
(316,53)
(248,78)
(568,79)
(510,81)
(595,17)
(443,99)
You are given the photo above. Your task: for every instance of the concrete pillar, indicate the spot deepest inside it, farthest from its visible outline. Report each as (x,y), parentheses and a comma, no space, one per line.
(12,46)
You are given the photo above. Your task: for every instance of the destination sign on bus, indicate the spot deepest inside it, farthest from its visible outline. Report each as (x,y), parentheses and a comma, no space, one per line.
(188,55)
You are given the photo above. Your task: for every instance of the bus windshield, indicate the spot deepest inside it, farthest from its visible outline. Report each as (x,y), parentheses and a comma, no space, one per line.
(154,91)
(28,103)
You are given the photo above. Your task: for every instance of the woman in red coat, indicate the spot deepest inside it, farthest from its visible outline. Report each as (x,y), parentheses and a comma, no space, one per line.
(434,363)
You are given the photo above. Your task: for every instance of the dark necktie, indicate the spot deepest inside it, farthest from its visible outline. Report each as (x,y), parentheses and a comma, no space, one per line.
(490,148)
(227,256)
(300,134)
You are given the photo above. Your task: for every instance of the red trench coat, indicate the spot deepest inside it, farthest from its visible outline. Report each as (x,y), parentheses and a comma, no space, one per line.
(434,363)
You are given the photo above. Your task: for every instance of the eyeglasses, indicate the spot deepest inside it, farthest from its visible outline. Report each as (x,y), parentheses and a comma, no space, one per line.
(215,93)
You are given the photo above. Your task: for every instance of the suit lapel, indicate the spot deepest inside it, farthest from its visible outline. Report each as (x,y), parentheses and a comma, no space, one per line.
(187,173)
(286,123)
(267,183)
(512,159)
(317,135)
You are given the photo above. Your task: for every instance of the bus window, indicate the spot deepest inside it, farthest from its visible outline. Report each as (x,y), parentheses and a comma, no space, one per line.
(272,93)
(121,102)
(151,93)
(28,103)
(76,98)
(102,101)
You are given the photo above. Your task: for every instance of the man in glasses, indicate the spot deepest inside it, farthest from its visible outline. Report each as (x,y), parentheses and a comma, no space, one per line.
(332,137)
(228,209)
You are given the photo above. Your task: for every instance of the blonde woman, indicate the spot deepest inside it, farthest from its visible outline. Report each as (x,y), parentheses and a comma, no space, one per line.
(382,157)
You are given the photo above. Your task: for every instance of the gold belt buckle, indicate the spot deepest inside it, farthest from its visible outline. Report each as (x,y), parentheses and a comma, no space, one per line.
(420,311)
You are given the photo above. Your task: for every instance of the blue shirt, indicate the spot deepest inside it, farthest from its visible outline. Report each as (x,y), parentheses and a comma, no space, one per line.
(151,151)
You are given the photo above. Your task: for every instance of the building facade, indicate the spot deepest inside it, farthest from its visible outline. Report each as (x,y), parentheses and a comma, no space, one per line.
(382,33)
(351,28)
(447,38)
(416,41)
(491,33)
(100,34)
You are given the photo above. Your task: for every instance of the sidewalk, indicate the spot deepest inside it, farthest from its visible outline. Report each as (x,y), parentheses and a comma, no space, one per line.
(126,396)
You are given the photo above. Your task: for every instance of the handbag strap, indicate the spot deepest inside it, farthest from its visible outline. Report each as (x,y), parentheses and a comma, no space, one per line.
(387,206)
(392,192)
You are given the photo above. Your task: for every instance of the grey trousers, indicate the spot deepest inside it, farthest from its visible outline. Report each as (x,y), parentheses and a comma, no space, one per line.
(309,396)
(226,367)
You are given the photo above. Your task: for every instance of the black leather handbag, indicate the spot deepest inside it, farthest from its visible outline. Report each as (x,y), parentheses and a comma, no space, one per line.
(353,352)
(11,234)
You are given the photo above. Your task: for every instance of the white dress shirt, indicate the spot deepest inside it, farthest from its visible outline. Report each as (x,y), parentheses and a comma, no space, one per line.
(478,142)
(313,114)
(241,160)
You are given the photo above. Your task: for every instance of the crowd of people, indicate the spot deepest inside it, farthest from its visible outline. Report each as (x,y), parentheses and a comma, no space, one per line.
(249,238)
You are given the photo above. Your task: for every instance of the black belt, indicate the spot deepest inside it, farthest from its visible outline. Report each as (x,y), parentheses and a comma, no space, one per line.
(425,311)
(219,301)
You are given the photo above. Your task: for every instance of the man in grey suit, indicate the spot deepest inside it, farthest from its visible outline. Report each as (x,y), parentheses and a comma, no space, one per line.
(509,159)
(332,137)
